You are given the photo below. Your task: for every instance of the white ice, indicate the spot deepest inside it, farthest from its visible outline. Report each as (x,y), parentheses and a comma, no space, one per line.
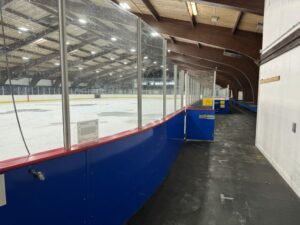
(42,127)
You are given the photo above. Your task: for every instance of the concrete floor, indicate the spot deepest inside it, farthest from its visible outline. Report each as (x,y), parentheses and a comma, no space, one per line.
(231,166)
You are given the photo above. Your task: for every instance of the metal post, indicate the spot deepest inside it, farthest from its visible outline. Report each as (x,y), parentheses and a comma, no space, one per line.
(164,78)
(186,76)
(175,87)
(214,87)
(139,72)
(182,85)
(64,74)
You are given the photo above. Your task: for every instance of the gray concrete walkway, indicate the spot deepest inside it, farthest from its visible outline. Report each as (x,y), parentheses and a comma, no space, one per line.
(227,182)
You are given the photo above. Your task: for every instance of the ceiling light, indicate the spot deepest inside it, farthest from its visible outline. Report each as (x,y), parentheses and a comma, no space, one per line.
(56,64)
(145,57)
(93,52)
(80,68)
(154,34)
(169,50)
(125,63)
(113,39)
(121,75)
(162,66)
(67,43)
(39,41)
(192,8)
(214,19)
(132,50)
(144,69)
(82,21)
(154,62)
(25,58)
(167,69)
(24,29)
(124,5)
(110,73)
(97,71)
(112,58)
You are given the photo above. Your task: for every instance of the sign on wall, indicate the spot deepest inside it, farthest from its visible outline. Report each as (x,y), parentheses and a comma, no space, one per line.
(87,131)
(2,191)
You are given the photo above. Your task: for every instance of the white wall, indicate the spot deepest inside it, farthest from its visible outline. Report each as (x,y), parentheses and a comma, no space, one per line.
(281,17)
(279,102)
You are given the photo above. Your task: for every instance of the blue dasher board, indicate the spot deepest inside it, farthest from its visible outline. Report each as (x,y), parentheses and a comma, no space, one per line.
(200,124)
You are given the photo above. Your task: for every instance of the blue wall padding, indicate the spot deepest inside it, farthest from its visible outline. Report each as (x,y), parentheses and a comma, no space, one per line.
(245,105)
(105,185)
(223,108)
(200,124)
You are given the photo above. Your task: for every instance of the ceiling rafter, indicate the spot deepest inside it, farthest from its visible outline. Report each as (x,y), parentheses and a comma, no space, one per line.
(244,42)
(237,22)
(152,10)
(253,6)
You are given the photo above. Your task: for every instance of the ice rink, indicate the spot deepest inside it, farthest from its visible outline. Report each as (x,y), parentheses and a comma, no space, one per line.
(41,122)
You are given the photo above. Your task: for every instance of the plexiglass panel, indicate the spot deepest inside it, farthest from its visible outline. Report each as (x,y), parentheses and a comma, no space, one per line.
(102,58)
(32,49)
(170,84)
(152,74)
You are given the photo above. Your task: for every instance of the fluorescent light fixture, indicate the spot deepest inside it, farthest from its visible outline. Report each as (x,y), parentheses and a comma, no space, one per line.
(56,64)
(25,58)
(145,57)
(39,41)
(93,52)
(24,29)
(112,58)
(113,39)
(80,68)
(154,62)
(132,50)
(214,19)
(125,63)
(162,66)
(82,21)
(154,34)
(124,5)
(192,8)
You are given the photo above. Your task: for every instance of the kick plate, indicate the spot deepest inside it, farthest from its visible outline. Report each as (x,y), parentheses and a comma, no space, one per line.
(2,191)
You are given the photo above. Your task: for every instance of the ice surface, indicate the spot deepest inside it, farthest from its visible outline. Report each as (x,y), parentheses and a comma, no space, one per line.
(42,127)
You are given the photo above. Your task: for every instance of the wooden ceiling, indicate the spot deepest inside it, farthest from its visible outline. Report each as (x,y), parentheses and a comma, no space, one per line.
(177,9)
(225,34)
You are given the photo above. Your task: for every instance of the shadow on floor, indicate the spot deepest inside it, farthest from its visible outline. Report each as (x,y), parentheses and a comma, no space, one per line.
(253,192)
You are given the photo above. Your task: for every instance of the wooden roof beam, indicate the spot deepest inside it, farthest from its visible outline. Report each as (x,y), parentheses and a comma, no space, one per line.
(244,42)
(253,6)
(237,22)
(152,10)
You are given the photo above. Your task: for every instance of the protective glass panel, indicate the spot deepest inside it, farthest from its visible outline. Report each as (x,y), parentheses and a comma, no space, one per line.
(180,89)
(222,93)
(206,80)
(170,84)
(32,47)
(102,60)
(152,75)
